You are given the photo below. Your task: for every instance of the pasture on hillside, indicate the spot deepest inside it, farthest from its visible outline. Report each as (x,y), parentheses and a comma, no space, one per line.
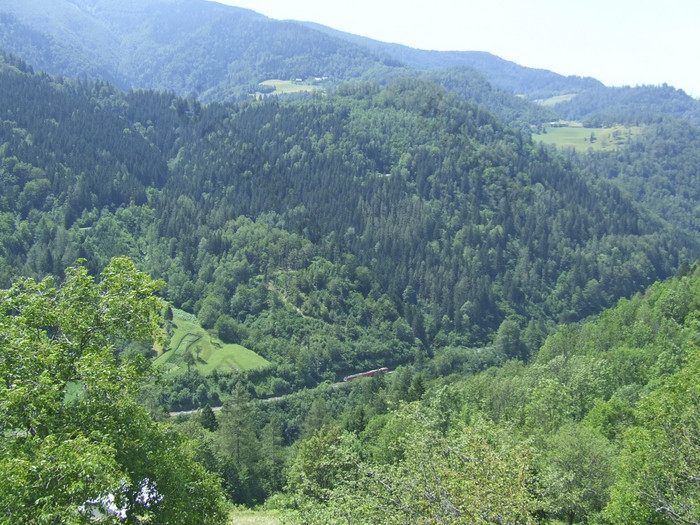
(209,352)
(574,135)
(285,87)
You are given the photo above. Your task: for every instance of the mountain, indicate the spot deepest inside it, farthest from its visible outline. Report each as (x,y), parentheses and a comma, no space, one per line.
(217,53)
(587,99)
(388,219)
(397,215)
(630,105)
(441,222)
(513,78)
(210,51)
(394,219)
(131,38)
(456,222)
(185,46)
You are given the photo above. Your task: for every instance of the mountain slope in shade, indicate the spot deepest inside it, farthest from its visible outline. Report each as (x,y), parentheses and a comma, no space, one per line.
(195,46)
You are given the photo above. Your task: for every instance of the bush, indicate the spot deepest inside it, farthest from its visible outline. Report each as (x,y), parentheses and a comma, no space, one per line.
(229,330)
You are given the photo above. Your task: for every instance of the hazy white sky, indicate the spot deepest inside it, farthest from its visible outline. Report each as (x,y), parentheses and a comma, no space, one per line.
(619,42)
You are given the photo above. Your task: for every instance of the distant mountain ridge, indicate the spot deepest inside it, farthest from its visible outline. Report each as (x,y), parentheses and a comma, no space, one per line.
(185,46)
(504,74)
(217,52)
(113,29)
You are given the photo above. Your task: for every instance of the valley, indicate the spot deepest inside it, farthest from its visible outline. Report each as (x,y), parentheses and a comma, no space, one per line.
(204,207)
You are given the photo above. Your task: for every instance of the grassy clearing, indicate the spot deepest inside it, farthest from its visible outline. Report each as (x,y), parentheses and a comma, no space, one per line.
(256,517)
(286,87)
(553,101)
(574,135)
(211,353)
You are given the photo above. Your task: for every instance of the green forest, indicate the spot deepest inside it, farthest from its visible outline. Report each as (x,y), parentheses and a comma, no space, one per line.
(184,286)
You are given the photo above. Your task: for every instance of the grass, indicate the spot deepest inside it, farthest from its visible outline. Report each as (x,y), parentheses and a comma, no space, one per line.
(574,135)
(256,517)
(286,87)
(211,353)
(553,101)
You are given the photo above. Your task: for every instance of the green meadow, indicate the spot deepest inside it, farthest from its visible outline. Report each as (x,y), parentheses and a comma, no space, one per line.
(286,87)
(574,135)
(210,353)
(553,101)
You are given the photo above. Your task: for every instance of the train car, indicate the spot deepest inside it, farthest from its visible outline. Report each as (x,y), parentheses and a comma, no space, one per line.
(369,373)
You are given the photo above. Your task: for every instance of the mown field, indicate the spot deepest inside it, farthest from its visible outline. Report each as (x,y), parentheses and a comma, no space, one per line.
(210,353)
(574,135)
(286,87)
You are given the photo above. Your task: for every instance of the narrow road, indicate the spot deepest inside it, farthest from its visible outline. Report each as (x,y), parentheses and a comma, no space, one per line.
(264,400)
(271,399)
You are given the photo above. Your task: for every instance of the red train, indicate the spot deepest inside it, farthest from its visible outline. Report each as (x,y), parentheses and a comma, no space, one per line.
(369,373)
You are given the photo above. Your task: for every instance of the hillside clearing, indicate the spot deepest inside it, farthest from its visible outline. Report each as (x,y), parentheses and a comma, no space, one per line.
(210,353)
(553,101)
(574,135)
(285,87)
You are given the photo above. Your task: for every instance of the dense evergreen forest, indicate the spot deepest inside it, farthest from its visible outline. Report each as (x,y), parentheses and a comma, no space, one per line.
(538,309)
(413,216)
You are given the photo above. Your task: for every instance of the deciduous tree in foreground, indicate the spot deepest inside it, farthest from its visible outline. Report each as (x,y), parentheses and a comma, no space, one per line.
(659,473)
(76,445)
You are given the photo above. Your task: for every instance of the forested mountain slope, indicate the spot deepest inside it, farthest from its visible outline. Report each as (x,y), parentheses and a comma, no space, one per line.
(659,168)
(392,220)
(211,51)
(601,427)
(200,47)
(604,106)
(397,221)
(437,195)
(585,99)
